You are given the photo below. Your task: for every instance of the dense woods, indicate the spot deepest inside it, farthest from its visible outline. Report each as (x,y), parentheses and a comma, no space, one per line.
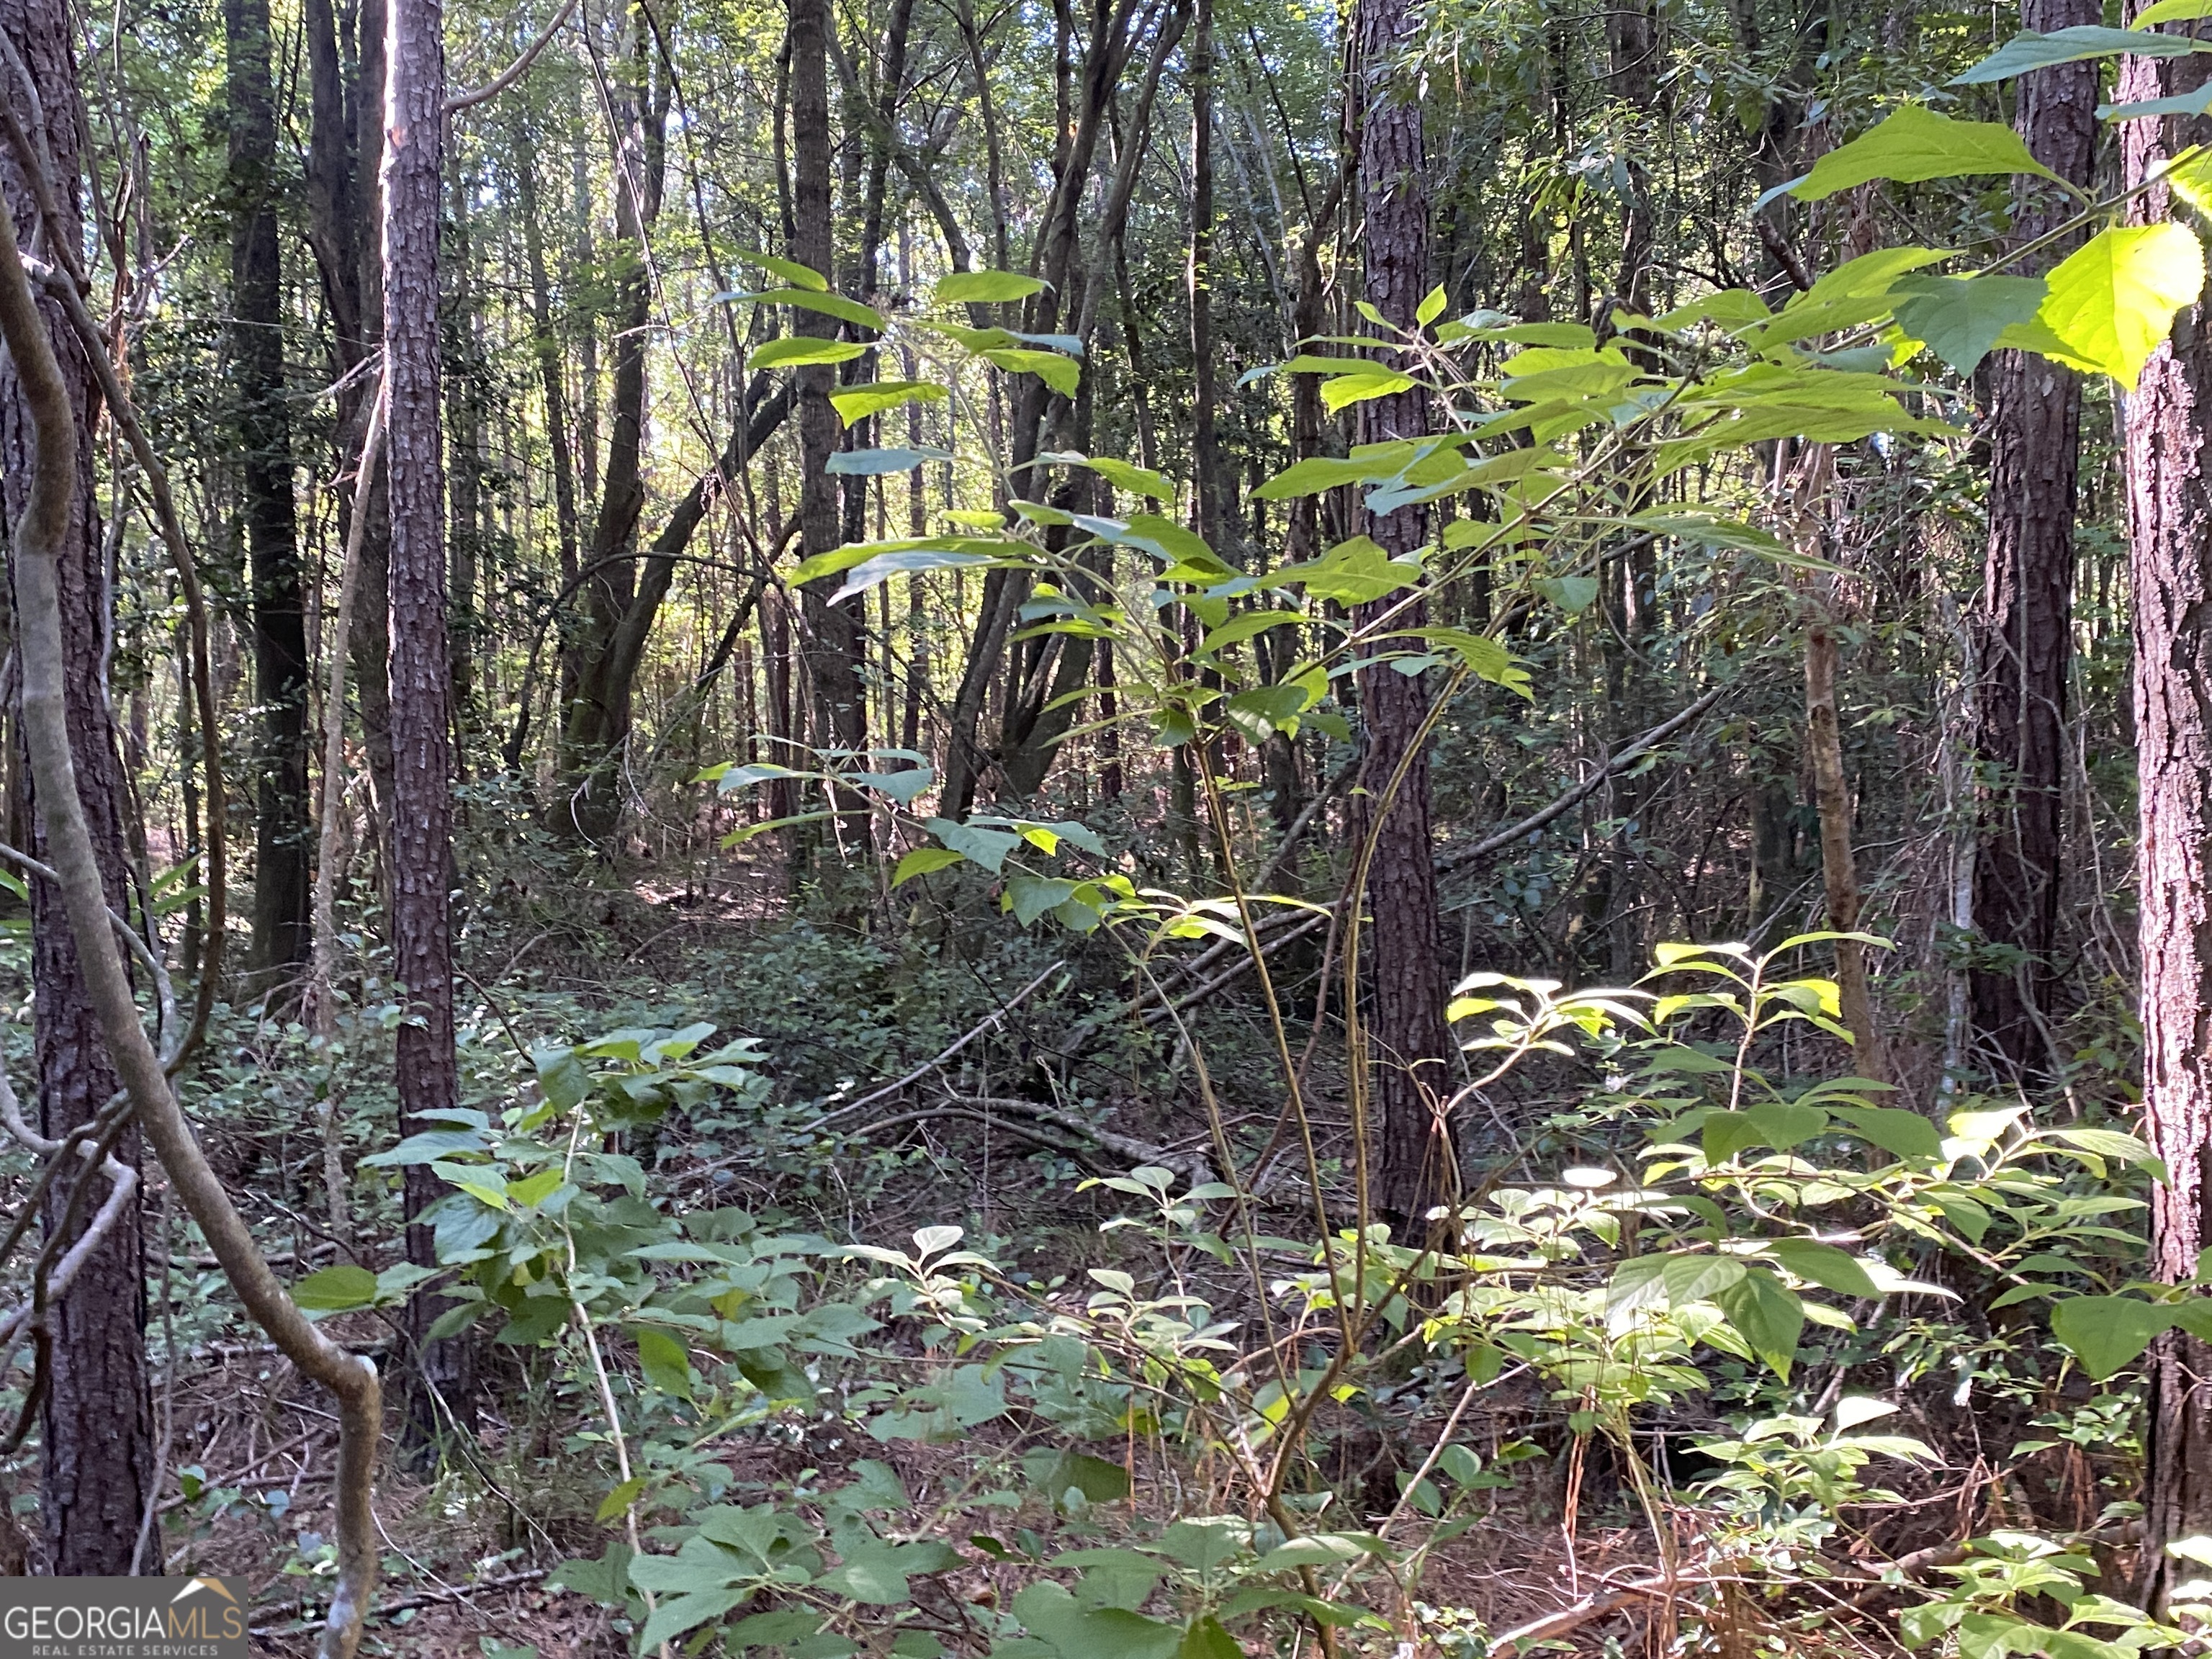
(1130,830)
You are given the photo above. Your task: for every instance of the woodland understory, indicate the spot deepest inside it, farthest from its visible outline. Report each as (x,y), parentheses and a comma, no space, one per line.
(1129,830)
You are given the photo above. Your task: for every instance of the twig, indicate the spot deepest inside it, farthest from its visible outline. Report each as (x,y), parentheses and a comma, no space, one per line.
(514,71)
(989,1022)
(1453,858)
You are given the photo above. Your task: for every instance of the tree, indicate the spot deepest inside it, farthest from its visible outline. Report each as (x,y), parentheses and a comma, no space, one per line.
(2027,652)
(422,846)
(831,634)
(97,1424)
(282,834)
(2169,491)
(1407,1048)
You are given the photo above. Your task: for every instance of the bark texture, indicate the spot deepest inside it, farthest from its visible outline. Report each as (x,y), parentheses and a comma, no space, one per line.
(281,833)
(97,1423)
(2169,426)
(2028,595)
(1407,1051)
(422,933)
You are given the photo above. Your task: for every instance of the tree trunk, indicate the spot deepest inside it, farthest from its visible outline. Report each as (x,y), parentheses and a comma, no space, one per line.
(97,1423)
(2168,437)
(2020,699)
(421,854)
(1406,1047)
(831,635)
(283,835)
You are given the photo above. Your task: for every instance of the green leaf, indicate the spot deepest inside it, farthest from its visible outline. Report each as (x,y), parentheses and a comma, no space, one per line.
(874,1572)
(535,1189)
(2030,51)
(798,350)
(986,846)
(1960,318)
(2112,300)
(335,1290)
(1698,1278)
(1053,1473)
(1031,896)
(1063,374)
(829,305)
(2171,11)
(1768,1316)
(1355,571)
(984,287)
(1915,143)
(666,1363)
(1205,1638)
(874,463)
(1047,1610)
(2107,1332)
(908,562)
(791,271)
(618,1500)
(1897,1131)
(1136,480)
(855,404)
(1346,390)
(1431,307)
(1782,1127)
(1825,1264)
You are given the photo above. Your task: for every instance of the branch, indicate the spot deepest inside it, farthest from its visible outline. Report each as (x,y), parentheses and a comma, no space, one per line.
(125,416)
(1582,791)
(988,1023)
(41,535)
(514,71)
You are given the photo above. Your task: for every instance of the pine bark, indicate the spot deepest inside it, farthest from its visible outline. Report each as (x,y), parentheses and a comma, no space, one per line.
(283,832)
(1406,1050)
(2169,493)
(830,634)
(422,929)
(96,1426)
(2028,593)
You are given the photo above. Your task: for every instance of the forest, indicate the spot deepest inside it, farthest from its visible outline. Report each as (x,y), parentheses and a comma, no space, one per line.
(1109,830)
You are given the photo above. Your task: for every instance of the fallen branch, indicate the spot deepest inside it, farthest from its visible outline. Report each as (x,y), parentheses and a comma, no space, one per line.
(1455,857)
(990,1022)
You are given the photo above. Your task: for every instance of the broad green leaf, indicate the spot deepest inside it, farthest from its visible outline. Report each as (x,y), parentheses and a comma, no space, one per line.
(1053,1473)
(1312,475)
(1915,143)
(1029,897)
(911,561)
(1690,1279)
(535,1189)
(2030,51)
(2107,1332)
(2171,11)
(667,1364)
(1431,307)
(1346,390)
(1351,572)
(874,463)
(798,351)
(1960,318)
(829,305)
(1768,1316)
(791,271)
(335,1290)
(1782,1126)
(1825,1264)
(855,404)
(2184,103)
(1897,1131)
(1063,374)
(986,846)
(2112,300)
(984,287)
(1137,480)
(1205,1638)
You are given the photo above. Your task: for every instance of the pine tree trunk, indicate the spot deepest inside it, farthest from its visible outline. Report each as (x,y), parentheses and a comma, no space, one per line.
(2169,428)
(2020,700)
(831,635)
(97,1424)
(283,835)
(422,858)
(1406,1044)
